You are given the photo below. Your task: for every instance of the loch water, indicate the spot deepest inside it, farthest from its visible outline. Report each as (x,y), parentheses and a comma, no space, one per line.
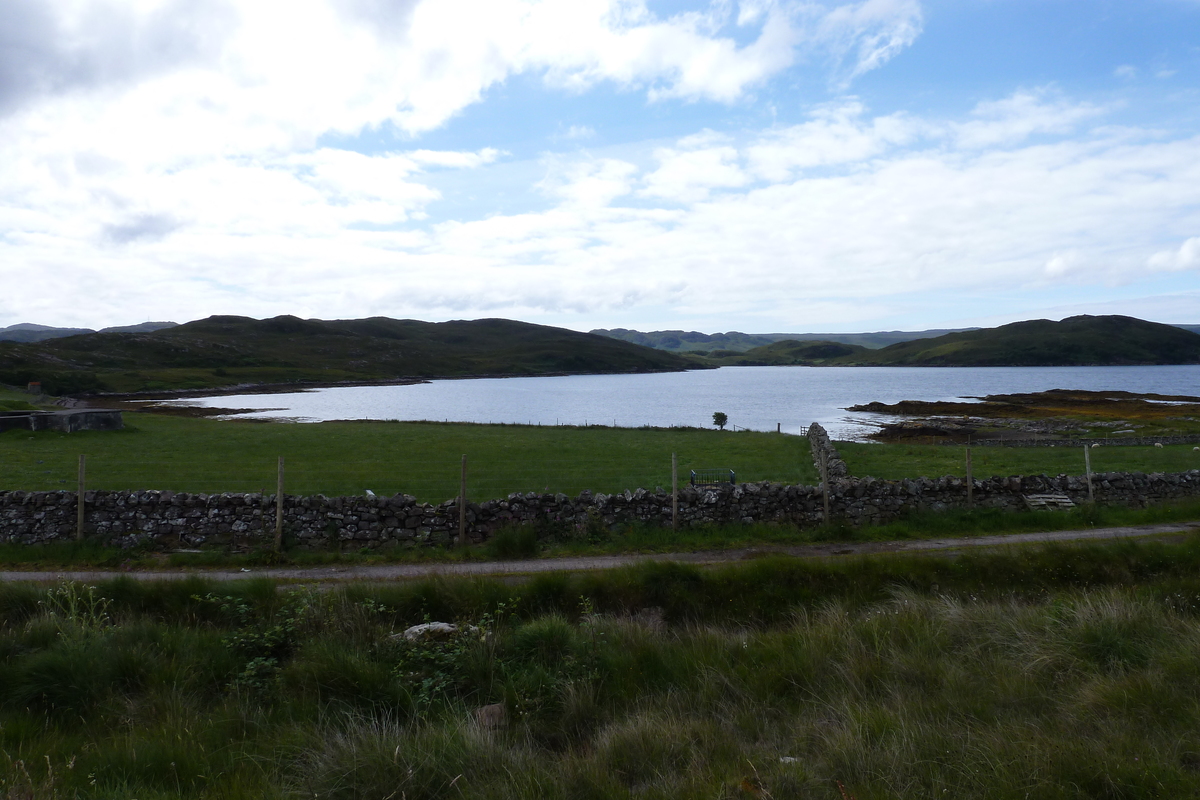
(757,398)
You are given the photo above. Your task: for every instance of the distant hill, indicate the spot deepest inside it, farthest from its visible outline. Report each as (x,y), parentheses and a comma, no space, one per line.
(31,332)
(226,351)
(1082,340)
(788,352)
(688,341)
(1075,341)
(705,343)
(141,327)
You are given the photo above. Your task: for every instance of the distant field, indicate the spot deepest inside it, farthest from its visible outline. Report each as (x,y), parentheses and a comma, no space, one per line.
(894,461)
(422,459)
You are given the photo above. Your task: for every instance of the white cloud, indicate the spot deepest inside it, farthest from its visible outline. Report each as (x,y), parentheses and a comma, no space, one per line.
(590,183)
(934,220)
(1126,72)
(1063,264)
(696,165)
(837,134)
(751,11)
(1186,257)
(863,36)
(452,159)
(212,71)
(1024,114)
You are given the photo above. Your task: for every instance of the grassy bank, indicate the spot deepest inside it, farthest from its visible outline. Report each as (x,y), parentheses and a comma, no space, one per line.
(1055,673)
(895,461)
(422,459)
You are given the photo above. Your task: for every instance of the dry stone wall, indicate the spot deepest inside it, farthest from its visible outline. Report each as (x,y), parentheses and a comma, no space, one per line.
(820,442)
(170,519)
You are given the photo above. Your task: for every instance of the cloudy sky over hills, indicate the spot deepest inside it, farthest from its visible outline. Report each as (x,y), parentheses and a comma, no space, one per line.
(755,165)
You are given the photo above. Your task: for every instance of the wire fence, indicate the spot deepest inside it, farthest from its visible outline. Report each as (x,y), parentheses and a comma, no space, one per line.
(427,480)
(498,468)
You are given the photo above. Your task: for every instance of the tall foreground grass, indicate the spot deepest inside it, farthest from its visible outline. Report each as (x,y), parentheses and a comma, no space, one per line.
(1058,673)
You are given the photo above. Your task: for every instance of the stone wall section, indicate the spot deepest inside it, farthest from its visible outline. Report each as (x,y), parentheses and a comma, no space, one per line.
(170,519)
(820,442)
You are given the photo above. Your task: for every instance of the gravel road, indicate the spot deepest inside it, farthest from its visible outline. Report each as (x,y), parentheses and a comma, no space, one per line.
(390,572)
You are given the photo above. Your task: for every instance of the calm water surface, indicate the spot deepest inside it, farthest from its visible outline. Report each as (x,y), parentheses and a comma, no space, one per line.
(754,397)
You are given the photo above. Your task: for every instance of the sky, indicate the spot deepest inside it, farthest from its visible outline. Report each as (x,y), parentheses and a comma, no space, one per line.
(753,165)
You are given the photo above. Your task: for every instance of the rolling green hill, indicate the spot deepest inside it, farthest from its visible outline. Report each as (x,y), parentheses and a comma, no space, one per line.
(788,352)
(226,351)
(1076,341)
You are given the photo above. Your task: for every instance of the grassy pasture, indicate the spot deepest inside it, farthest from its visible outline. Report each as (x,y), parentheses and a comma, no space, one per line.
(895,461)
(1058,673)
(422,459)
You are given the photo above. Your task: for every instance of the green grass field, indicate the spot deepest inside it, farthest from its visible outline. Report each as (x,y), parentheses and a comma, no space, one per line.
(422,459)
(895,461)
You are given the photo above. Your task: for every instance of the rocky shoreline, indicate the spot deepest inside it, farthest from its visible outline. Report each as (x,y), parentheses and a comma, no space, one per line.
(1051,416)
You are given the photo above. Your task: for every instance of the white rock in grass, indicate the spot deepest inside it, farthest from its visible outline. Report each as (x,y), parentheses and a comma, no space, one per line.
(491,717)
(431,630)
(428,630)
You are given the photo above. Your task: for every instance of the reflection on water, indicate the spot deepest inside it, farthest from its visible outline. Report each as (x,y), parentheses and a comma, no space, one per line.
(757,398)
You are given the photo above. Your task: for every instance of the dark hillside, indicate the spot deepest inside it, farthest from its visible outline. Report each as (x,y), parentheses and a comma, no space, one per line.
(789,352)
(1076,341)
(228,351)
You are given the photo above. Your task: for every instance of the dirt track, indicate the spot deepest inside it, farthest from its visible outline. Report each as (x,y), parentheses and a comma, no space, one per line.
(389,572)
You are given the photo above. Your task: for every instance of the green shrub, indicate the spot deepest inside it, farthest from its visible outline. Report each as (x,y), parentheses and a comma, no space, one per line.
(513,543)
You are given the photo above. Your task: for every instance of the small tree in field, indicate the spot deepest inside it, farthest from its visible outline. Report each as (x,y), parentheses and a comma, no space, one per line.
(720,420)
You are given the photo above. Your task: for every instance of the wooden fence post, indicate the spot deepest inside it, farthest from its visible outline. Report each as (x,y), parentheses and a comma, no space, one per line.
(462,503)
(279,508)
(1087,468)
(80,500)
(970,481)
(674,493)
(825,483)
